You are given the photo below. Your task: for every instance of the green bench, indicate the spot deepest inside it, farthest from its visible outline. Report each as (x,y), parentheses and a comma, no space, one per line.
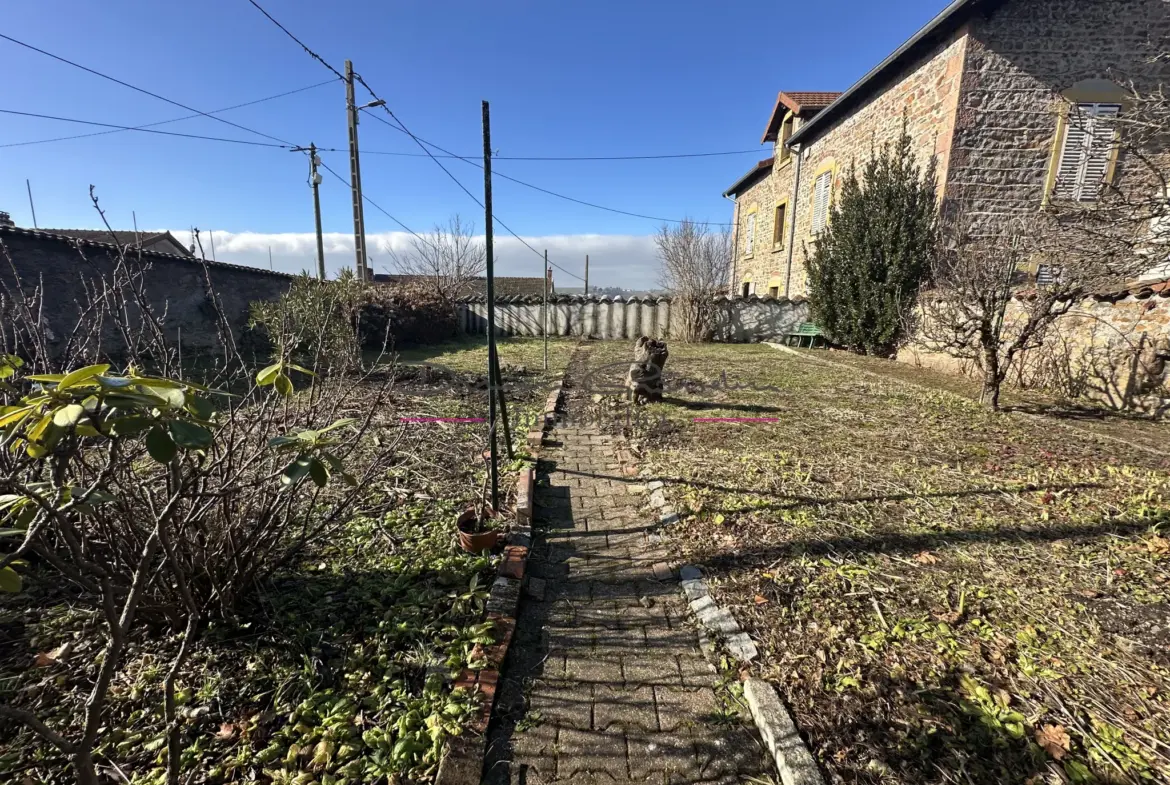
(805,330)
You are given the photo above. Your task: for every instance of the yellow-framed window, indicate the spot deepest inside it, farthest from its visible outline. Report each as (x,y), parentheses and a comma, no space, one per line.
(780,225)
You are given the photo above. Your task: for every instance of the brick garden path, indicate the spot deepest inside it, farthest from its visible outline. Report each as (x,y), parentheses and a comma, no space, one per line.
(605,681)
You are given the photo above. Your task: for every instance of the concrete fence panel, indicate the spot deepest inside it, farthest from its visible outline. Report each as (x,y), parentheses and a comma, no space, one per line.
(738,320)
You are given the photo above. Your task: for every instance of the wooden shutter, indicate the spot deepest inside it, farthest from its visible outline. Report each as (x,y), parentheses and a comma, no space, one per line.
(750,242)
(821,194)
(778,225)
(1086,151)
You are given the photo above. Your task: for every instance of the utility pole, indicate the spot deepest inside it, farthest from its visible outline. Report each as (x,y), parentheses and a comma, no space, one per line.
(586,275)
(355,176)
(315,182)
(544,310)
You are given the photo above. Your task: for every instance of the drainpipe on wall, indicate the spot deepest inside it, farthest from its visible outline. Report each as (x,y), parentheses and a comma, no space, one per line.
(731,283)
(794,205)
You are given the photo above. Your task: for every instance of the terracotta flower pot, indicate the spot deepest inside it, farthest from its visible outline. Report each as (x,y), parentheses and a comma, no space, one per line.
(470,539)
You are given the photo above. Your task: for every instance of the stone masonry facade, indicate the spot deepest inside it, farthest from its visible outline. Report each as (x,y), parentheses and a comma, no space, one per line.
(981,93)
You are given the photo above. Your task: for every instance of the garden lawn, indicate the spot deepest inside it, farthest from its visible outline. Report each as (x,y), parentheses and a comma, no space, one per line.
(941,593)
(338,671)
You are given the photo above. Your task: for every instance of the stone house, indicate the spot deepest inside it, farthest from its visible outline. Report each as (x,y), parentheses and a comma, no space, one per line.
(1012,97)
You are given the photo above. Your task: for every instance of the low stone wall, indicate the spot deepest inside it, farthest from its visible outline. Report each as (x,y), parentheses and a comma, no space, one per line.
(738,320)
(176,285)
(1111,349)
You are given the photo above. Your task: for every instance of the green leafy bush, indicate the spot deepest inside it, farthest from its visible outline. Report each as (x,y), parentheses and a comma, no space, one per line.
(870,259)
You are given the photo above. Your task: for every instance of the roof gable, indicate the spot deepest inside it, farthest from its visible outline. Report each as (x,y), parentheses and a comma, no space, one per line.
(802,103)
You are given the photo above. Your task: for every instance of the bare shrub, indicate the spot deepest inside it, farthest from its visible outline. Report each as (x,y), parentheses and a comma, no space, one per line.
(162,500)
(694,269)
(446,260)
(998,289)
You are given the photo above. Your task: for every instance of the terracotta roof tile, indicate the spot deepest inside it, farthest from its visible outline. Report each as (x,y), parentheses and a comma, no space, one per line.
(803,103)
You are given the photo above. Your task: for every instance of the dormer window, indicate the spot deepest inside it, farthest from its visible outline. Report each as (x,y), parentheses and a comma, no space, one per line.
(782,151)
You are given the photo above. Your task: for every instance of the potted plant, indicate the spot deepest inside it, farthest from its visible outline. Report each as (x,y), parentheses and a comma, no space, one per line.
(474,536)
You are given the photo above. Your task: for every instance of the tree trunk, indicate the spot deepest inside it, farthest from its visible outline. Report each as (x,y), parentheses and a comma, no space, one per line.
(991,378)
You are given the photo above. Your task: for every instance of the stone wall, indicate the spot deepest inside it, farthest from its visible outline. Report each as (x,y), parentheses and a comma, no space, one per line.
(176,286)
(739,320)
(1112,350)
(1018,62)
(766,267)
(926,93)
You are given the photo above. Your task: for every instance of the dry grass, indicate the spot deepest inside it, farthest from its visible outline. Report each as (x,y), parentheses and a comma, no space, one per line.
(943,594)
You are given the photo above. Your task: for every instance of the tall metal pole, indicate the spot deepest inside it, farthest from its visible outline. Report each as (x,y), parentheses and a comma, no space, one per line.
(315,179)
(355,177)
(544,311)
(586,275)
(493,382)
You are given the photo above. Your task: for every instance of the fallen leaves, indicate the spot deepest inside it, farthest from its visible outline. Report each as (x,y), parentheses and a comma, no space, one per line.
(226,732)
(1054,739)
(46,658)
(925,557)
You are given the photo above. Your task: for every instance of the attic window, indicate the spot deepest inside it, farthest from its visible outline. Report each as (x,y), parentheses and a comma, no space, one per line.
(782,151)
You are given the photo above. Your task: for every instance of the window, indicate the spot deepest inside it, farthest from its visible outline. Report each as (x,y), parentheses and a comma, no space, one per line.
(773,291)
(1086,151)
(822,194)
(747,288)
(778,226)
(1047,274)
(782,151)
(749,240)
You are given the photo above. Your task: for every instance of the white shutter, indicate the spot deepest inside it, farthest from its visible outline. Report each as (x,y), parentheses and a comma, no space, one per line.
(750,241)
(1086,151)
(821,194)
(1100,151)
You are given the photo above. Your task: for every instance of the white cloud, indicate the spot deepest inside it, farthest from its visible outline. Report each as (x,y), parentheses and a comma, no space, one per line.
(628,261)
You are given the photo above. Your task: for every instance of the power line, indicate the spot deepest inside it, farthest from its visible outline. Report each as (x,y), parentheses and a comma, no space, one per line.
(574,157)
(423,147)
(143,129)
(374,204)
(144,91)
(402,127)
(118,128)
(424,144)
(300,43)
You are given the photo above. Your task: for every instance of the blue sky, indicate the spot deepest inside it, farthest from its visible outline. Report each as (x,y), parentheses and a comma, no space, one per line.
(563,78)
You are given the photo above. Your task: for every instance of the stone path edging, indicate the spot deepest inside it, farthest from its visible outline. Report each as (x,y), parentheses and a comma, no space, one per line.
(463,762)
(793,760)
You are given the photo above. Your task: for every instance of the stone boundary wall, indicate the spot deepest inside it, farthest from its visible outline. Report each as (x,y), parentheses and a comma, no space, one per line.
(1114,350)
(175,285)
(738,320)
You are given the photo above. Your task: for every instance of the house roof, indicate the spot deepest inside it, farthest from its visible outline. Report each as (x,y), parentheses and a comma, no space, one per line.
(743,182)
(954,16)
(506,286)
(146,239)
(45,234)
(802,103)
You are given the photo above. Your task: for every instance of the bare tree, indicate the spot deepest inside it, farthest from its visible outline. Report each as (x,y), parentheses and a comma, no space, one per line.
(996,294)
(694,270)
(447,259)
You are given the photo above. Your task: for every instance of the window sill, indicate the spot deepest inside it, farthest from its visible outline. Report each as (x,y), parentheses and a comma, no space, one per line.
(777,247)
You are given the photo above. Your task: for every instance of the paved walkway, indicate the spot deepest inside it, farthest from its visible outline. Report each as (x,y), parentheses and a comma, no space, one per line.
(605,681)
